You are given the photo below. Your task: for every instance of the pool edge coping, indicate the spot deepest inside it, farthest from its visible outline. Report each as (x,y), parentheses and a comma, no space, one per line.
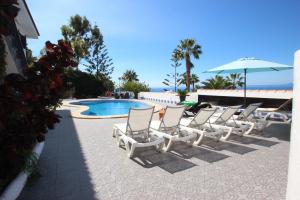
(80,108)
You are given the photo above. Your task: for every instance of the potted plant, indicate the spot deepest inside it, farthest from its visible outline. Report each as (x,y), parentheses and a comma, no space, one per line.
(182,94)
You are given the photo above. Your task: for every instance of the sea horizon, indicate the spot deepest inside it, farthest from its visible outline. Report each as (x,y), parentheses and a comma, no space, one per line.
(285,86)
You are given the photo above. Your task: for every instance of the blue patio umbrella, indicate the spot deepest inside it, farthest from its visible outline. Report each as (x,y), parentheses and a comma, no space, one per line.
(248,65)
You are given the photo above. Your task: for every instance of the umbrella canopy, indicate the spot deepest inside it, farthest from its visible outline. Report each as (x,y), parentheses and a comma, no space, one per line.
(248,65)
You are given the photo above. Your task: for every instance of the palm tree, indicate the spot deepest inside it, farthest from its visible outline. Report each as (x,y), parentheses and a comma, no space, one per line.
(235,80)
(194,79)
(218,82)
(129,76)
(184,51)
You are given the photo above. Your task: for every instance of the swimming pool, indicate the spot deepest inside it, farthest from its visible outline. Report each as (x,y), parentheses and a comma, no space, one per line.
(109,107)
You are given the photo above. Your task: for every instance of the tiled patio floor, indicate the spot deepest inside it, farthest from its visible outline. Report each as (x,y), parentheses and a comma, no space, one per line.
(82,161)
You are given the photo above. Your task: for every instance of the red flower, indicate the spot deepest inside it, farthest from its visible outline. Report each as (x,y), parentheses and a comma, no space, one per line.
(28,95)
(58,80)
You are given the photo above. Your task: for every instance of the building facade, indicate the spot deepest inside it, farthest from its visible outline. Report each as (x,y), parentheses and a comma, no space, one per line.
(16,42)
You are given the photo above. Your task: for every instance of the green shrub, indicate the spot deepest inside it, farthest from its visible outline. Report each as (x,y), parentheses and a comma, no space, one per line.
(182,92)
(135,87)
(117,96)
(126,96)
(87,85)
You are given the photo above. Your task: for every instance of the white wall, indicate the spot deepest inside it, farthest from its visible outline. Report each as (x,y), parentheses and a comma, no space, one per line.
(166,98)
(293,186)
(274,94)
(10,63)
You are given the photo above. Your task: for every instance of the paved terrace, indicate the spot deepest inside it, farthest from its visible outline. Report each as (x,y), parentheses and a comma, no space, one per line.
(82,161)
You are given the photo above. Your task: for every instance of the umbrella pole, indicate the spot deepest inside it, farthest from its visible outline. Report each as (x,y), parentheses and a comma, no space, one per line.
(245,86)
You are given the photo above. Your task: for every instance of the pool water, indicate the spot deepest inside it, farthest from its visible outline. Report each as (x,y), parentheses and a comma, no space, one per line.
(110,107)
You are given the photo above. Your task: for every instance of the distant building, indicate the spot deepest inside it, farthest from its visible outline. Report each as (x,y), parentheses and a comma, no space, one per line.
(15,43)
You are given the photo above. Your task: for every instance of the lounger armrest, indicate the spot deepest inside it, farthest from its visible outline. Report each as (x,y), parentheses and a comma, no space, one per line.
(240,122)
(159,133)
(191,130)
(217,126)
(127,138)
(284,116)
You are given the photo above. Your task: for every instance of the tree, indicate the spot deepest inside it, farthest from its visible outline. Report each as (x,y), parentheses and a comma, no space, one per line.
(87,42)
(235,80)
(183,78)
(184,51)
(98,61)
(129,76)
(135,87)
(79,33)
(194,79)
(30,58)
(173,78)
(218,82)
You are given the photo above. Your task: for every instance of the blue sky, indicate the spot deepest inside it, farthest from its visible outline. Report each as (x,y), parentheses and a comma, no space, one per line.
(141,34)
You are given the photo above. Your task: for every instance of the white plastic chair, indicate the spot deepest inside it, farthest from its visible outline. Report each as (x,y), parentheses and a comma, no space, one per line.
(136,132)
(170,129)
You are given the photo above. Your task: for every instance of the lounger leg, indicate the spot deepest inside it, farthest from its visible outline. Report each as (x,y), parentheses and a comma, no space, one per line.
(168,145)
(227,135)
(120,141)
(217,140)
(159,147)
(199,140)
(191,141)
(260,125)
(130,150)
(118,138)
(114,132)
(250,129)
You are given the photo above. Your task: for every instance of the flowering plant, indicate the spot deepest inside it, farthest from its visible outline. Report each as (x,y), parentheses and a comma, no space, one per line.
(28,104)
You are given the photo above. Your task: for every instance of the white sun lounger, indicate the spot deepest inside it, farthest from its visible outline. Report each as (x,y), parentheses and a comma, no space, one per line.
(248,112)
(201,122)
(227,119)
(263,119)
(136,132)
(170,129)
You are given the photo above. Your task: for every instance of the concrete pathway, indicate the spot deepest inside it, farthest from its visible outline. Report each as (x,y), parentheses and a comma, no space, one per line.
(82,161)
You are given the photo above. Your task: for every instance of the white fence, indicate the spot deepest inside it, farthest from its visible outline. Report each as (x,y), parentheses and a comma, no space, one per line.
(171,98)
(166,98)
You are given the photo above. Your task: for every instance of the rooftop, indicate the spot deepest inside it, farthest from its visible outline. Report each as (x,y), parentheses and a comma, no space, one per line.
(25,22)
(82,161)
